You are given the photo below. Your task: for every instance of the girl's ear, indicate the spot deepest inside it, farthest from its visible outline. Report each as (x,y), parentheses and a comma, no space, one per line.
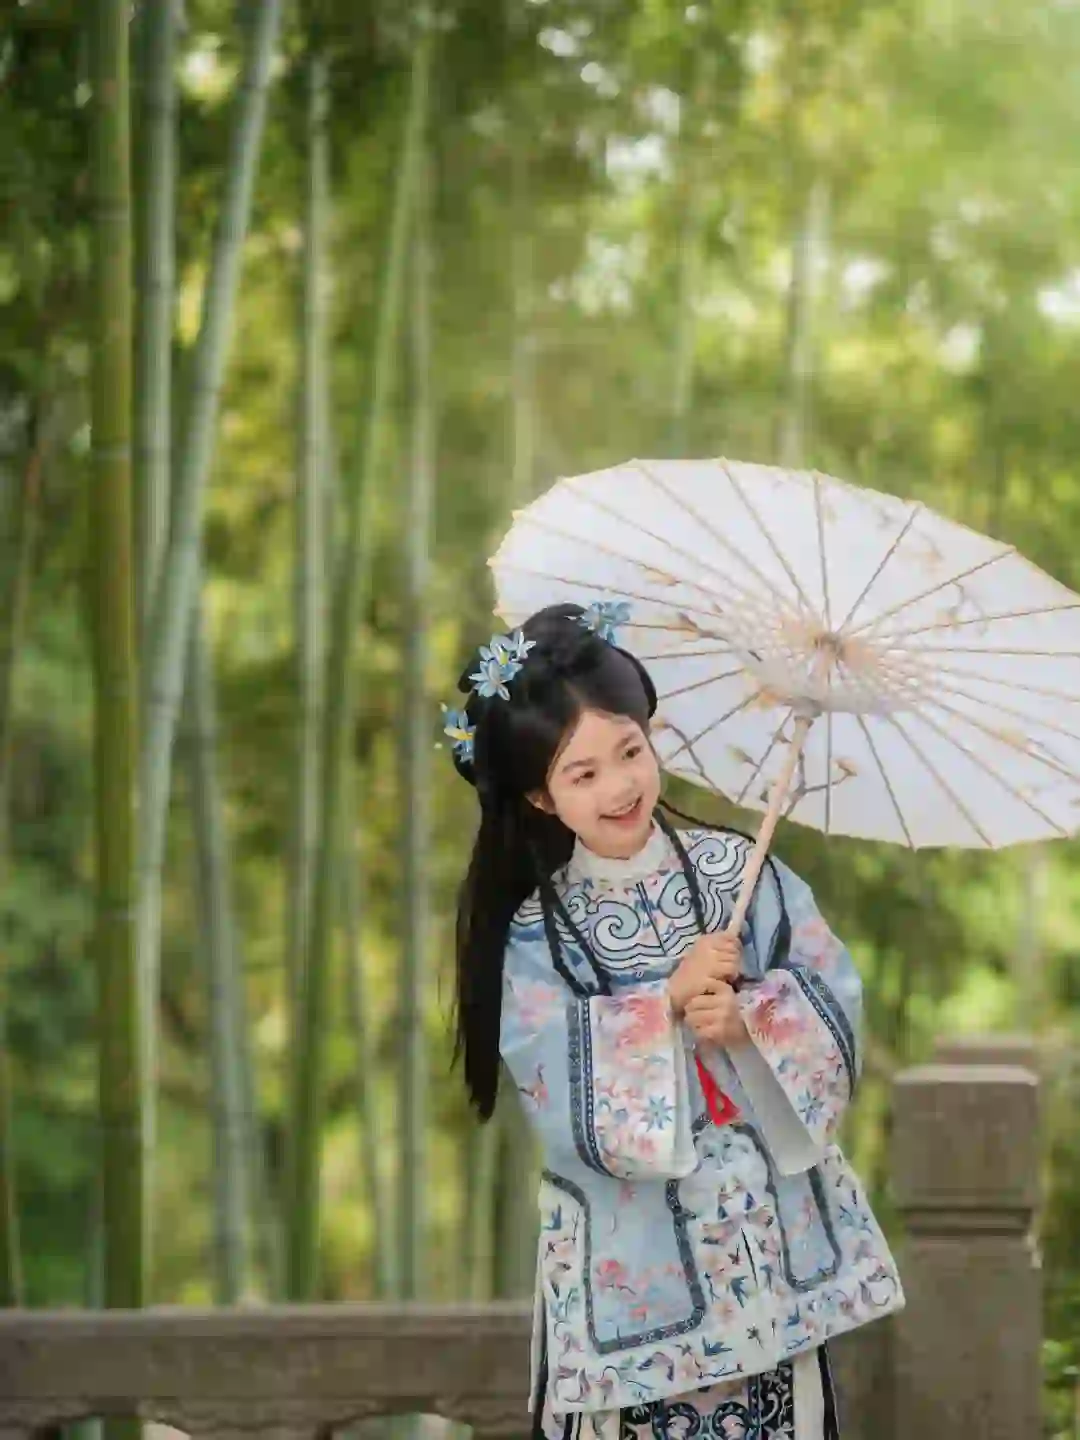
(541,800)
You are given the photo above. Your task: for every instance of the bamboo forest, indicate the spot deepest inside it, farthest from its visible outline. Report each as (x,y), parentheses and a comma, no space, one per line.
(300,300)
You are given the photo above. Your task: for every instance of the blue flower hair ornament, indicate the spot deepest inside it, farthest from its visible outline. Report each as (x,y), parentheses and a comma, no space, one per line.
(605,617)
(461,732)
(503,658)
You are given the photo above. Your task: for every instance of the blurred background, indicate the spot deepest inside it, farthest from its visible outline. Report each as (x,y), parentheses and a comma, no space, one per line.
(396,271)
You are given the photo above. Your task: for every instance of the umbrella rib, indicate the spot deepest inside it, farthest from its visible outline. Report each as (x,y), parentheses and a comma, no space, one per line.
(885,779)
(611,590)
(720,720)
(680,654)
(768,537)
(934,590)
(1058,766)
(908,523)
(590,499)
(717,535)
(998,705)
(701,684)
(990,650)
(824,566)
(929,765)
(687,746)
(679,630)
(642,565)
(1044,690)
(764,759)
(978,620)
(988,770)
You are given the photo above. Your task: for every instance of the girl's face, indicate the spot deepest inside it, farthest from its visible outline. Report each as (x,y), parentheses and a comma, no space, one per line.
(604,784)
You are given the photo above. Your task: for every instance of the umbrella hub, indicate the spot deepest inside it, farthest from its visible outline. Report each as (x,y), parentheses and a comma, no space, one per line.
(803,664)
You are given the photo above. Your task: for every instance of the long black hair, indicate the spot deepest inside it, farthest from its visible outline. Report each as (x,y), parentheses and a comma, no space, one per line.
(519,848)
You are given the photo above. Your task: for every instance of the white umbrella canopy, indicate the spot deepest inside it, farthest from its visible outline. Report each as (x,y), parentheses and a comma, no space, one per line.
(911,680)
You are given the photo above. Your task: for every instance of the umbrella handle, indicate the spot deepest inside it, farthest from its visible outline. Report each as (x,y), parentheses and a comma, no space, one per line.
(779,794)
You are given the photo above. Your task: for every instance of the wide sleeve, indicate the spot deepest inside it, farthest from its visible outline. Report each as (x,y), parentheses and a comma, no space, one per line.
(802,1014)
(602,1077)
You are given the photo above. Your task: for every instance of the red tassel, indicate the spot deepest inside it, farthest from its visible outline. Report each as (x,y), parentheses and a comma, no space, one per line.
(721,1108)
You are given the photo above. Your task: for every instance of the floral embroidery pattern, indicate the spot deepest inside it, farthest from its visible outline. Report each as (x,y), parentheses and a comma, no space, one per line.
(802,1052)
(660,1279)
(635,1047)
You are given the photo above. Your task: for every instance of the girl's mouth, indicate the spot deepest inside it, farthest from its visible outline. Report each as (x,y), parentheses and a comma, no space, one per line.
(627,817)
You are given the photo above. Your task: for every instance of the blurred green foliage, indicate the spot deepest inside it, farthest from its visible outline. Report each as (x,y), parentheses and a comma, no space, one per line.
(945,345)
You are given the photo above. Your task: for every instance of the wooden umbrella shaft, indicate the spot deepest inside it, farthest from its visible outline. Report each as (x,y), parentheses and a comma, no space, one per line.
(780,791)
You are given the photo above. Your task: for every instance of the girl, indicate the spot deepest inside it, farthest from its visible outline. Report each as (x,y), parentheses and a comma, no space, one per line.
(701,1236)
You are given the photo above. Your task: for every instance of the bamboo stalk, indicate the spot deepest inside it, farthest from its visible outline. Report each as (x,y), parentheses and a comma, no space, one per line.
(21,524)
(501,1156)
(17,551)
(174,604)
(416,750)
(523,300)
(155,158)
(689,246)
(311,539)
(799,352)
(115,680)
(230,1119)
(353,579)
(10,1253)
(367,1110)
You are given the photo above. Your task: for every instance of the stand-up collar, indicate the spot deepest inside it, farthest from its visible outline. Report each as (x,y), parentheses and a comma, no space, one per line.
(656,854)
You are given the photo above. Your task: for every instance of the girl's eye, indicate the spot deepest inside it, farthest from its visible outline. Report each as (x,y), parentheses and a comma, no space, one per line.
(632,752)
(583,777)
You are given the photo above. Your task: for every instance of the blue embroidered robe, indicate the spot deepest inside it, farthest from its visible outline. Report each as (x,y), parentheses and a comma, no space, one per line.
(674,1253)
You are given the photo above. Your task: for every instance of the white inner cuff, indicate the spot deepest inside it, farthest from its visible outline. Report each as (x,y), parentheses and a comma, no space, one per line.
(787,1137)
(809,1397)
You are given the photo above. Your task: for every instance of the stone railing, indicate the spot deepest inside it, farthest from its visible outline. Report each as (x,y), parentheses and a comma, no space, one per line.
(962,1360)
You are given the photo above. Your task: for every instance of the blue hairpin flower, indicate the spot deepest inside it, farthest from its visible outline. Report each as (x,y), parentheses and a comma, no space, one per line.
(520,647)
(507,650)
(501,659)
(491,679)
(456,725)
(605,617)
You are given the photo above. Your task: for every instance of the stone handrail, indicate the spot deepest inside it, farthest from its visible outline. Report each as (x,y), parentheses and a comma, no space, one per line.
(963,1359)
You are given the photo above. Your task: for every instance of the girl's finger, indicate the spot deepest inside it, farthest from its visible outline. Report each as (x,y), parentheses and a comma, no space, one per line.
(724,945)
(708,1007)
(721,957)
(724,969)
(698,1003)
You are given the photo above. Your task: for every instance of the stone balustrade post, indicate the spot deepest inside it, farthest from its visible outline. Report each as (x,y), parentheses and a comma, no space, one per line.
(966,1171)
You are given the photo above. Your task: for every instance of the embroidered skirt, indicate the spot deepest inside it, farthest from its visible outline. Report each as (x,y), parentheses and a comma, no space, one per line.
(796,1401)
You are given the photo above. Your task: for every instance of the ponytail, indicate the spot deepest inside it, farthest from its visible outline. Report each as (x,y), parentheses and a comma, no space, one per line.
(517,850)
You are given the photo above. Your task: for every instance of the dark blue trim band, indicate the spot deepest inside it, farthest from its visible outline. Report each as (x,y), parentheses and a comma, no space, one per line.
(693,1281)
(832,1015)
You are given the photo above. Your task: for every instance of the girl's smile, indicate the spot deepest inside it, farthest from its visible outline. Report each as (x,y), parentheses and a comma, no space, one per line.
(629,816)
